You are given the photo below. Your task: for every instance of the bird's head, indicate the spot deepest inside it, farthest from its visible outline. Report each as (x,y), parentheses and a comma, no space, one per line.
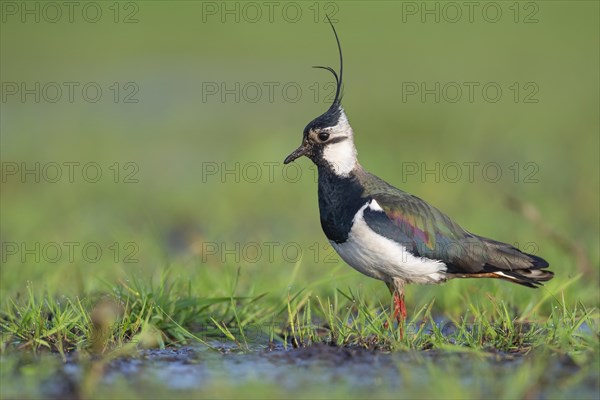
(328,140)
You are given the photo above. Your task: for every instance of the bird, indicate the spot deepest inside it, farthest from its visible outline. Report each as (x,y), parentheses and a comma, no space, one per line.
(391,235)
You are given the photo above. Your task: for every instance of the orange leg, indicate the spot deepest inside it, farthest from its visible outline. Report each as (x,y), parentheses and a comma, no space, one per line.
(399,313)
(399,307)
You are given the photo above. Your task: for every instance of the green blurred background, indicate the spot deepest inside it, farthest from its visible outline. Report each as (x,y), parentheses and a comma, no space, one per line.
(171,54)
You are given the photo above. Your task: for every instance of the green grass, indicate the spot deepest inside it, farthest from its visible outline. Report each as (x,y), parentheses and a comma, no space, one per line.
(103,322)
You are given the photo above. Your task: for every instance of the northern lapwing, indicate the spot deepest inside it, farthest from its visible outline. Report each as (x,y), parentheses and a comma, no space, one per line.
(391,235)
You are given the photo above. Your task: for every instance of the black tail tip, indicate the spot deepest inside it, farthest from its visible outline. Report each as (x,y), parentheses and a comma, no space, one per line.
(537,262)
(533,278)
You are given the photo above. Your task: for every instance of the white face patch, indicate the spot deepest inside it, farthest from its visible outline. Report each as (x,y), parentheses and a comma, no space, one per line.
(341,155)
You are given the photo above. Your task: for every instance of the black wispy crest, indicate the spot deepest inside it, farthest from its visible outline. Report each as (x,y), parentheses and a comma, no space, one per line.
(332,115)
(338,80)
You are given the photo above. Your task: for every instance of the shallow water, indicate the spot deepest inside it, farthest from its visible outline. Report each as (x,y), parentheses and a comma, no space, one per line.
(195,371)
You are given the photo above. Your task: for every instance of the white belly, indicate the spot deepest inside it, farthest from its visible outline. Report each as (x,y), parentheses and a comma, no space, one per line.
(382,258)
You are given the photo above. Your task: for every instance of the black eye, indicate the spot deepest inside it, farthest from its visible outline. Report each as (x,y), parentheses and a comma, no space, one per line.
(323,136)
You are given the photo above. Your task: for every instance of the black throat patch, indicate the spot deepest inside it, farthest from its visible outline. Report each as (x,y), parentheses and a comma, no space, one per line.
(340,198)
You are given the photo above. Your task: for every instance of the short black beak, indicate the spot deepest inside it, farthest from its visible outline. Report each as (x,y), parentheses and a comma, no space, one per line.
(299,152)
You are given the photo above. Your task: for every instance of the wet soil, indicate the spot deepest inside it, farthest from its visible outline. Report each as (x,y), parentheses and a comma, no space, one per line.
(360,371)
